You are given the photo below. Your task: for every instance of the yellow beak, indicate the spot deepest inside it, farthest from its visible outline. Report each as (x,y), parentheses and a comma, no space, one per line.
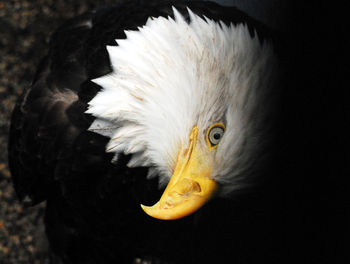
(190,186)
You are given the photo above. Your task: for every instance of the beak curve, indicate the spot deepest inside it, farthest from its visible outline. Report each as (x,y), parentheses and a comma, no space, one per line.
(190,186)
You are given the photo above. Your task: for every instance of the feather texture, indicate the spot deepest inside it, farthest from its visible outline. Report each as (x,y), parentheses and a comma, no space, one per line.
(170,75)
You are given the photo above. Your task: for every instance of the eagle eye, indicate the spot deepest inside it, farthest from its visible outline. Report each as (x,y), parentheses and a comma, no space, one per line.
(215,133)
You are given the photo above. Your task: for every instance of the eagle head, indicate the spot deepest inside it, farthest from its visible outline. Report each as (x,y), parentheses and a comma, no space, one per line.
(191,101)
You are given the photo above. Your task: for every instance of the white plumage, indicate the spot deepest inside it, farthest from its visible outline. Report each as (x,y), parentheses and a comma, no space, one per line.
(171,75)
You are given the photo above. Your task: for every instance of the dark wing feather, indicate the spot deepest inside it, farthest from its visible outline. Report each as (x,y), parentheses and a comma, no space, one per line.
(41,131)
(93,213)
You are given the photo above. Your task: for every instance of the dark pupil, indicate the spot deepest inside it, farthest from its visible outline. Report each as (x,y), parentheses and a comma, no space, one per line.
(217,136)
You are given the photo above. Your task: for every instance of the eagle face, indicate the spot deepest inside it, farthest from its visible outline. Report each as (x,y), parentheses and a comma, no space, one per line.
(192,102)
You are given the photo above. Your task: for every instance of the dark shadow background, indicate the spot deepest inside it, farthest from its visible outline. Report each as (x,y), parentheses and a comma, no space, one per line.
(317,191)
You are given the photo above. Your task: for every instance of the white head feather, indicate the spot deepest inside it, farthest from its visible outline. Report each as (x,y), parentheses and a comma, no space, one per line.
(171,75)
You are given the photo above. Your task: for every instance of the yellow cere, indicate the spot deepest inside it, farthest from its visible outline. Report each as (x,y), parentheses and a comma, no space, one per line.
(190,186)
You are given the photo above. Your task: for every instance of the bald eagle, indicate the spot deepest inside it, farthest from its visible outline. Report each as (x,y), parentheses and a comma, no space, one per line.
(137,96)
